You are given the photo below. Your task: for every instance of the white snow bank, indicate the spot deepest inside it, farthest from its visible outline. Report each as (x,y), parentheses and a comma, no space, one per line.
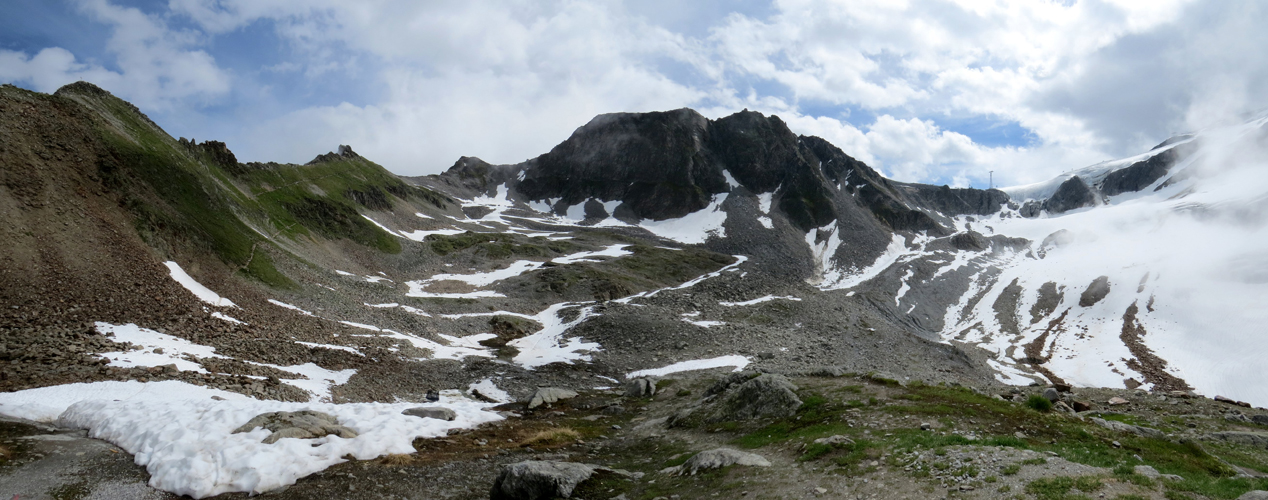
(331,346)
(490,390)
(515,269)
(695,227)
(485,279)
(548,345)
(225,317)
(288,306)
(609,251)
(172,350)
(45,404)
(735,360)
(184,438)
(158,349)
(759,300)
(203,293)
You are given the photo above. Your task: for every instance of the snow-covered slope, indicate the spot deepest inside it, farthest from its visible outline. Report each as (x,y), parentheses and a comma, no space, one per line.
(1162,287)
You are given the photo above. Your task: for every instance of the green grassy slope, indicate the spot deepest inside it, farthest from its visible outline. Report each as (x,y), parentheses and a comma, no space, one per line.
(181,194)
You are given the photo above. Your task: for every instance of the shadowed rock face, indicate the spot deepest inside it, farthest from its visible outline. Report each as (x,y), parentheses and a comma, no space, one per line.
(1141,174)
(654,162)
(1072,194)
(668,164)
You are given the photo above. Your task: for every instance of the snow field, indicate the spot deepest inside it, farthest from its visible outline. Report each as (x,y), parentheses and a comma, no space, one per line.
(735,360)
(203,293)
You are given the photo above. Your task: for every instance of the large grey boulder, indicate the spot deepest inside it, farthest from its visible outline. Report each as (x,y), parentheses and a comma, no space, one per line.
(765,396)
(1134,429)
(1254,495)
(306,424)
(642,387)
(717,459)
(1256,439)
(533,479)
(548,395)
(435,412)
(743,396)
(1051,394)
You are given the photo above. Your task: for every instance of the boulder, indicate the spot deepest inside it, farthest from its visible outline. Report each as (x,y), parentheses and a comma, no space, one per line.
(1256,439)
(548,395)
(437,413)
(532,480)
(1062,407)
(1051,394)
(1080,406)
(304,424)
(839,440)
(1254,495)
(744,396)
(1259,419)
(1115,401)
(1223,399)
(642,387)
(716,459)
(1147,471)
(1134,429)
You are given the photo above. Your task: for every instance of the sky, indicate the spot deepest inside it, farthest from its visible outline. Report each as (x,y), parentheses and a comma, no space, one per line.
(938,91)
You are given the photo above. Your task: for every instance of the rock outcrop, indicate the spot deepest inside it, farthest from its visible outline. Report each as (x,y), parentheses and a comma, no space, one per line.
(305,424)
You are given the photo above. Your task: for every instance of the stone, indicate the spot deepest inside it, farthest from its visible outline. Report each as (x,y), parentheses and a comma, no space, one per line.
(431,412)
(533,480)
(306,424)
(1051,394)
(1237,417)
(643,387)
(1061,406)
(548,395)
(926,426)
(1080,406)
(716,459)
(1256,439)
(837,440)
(1259,419)
(1134,429)
(1254,495)
(764,396)
(1223,399)
(1147,471)
(1115,401)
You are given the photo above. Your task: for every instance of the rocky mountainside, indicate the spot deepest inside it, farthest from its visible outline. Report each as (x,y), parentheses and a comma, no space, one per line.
(1026,272)
(178,283)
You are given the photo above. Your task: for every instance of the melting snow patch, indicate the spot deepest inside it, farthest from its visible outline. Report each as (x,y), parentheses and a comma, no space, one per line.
(330,346)
(490,390)
(1008,374)
(548,345)
(695,227)
(225,317)
(420,234)
(203,293)
(734,360)
(835,279)
(186,442)
(288,306)
(610,251)
(343,273)
(759,300)
(157,349)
